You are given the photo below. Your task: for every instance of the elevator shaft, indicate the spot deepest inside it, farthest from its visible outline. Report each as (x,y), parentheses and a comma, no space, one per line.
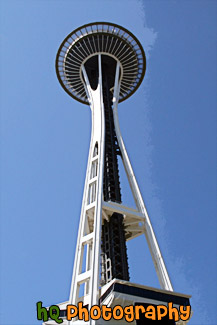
(114,251)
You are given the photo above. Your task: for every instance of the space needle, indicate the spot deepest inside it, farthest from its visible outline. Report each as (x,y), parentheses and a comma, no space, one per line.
(102,64)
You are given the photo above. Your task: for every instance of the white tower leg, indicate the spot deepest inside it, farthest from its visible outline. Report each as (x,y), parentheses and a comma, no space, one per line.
(148,230)
(89,234)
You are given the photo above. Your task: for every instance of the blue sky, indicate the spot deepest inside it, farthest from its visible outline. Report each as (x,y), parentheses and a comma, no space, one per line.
(169,127)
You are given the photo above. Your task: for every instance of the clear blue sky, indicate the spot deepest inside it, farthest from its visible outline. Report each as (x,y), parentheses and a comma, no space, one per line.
(169,127)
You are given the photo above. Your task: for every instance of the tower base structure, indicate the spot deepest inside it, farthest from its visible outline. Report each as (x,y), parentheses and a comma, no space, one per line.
(130,296)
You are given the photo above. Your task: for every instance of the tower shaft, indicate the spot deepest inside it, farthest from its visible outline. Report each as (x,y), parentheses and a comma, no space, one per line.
(96,212)
(111,183)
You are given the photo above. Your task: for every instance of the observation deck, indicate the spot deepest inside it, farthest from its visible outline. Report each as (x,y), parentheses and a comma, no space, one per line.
(109,40)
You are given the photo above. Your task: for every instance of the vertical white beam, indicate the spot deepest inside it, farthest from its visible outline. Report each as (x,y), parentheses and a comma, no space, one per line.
(94,284)
(94,191)
(149,232)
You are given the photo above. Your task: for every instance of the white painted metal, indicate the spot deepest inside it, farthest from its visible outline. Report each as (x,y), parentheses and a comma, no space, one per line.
(89,234)
(149,232)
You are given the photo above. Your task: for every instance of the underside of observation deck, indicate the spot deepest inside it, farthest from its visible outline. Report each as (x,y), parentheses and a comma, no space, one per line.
(104,38)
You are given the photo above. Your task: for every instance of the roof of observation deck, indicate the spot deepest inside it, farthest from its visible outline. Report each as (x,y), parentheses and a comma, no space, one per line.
(107,39)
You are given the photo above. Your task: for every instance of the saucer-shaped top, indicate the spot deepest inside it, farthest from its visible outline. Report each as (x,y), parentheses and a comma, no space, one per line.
(100,38)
